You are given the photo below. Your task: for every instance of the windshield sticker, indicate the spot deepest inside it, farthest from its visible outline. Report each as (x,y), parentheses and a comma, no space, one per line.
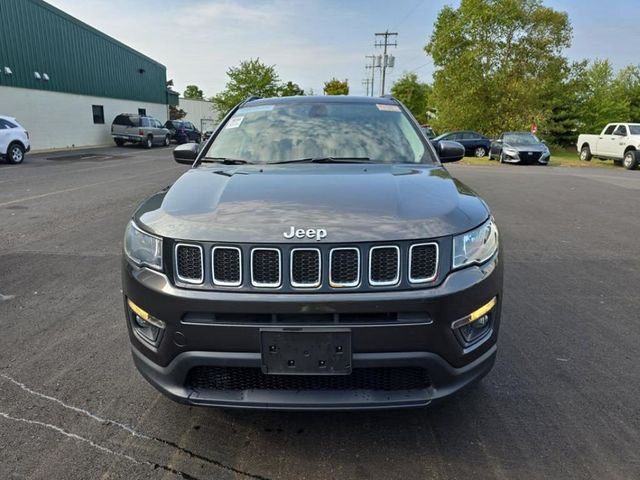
(234,122)
(259,108)
(383,107)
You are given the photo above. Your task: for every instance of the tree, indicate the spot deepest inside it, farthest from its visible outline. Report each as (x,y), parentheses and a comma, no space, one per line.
(176,113)
(414,95)
(495,63)
(602,97)
(251,77)
(290,89)
(193,92)
(336,87)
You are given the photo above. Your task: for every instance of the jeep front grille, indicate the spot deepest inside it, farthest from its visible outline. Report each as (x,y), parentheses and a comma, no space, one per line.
(423,262)
(266,267)
(321,268)
(384,265)
(305,267)
(189,266)
(227,266)
(344,267)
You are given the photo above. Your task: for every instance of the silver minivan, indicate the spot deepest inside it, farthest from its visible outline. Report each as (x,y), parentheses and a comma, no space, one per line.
(128,127)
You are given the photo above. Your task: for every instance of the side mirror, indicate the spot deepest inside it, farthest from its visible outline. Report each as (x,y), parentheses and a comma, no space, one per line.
(449,151)
(186,153)
(499,140)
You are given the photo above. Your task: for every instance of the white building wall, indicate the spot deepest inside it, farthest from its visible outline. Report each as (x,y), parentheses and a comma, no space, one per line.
(201,113)
(63,120)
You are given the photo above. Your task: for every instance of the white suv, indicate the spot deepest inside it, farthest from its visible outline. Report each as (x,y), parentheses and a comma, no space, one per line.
(14,140)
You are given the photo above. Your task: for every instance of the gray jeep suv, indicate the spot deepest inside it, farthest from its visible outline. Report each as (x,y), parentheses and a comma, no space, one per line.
(317,255)
(140,129)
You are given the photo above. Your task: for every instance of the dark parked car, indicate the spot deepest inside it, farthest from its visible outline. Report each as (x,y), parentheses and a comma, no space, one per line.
(317,255)
(474,144)
(519,147)
(182,131)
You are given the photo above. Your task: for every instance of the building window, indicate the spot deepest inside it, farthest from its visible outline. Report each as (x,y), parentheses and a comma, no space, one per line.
(98,114)
(142,112)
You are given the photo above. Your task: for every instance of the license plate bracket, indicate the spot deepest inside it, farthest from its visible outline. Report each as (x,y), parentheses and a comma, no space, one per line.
(305,351)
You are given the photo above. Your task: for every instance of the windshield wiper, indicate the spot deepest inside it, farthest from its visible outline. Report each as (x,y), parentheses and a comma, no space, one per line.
(328,160)
(226,161)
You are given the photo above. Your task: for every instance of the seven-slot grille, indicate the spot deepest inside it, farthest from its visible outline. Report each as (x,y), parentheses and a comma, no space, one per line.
(344,267)
(380,266)
(384,265)
(189,266)
(305,267)
(266,267)
(423,262)
(227,266)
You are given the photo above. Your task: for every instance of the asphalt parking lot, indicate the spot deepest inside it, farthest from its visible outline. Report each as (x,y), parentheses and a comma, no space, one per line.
(561,402)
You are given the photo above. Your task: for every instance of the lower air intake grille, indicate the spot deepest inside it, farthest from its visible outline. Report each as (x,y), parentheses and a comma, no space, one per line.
(423,262)
(240,378)
(227,266)
(345,267)
(265,267)
(189,263)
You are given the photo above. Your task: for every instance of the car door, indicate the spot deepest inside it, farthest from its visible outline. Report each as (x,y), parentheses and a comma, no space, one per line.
(496,146)
(158,131)
(620,143)
(606,141)
(469,141)
(4,137)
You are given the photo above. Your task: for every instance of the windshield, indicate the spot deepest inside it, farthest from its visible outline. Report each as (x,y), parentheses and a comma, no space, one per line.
(522,138)
(311,130)
(634,129)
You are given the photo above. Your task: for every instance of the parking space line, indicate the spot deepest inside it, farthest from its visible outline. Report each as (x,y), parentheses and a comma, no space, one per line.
(73,189)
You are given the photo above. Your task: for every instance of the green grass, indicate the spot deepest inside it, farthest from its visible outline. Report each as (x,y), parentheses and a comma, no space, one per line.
(559,158)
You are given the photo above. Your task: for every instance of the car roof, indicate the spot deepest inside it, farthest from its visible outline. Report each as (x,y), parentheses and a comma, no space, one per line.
(6,117)
(322,99)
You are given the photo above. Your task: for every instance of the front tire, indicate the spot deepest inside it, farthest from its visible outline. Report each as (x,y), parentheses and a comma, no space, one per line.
(480,152)
(630,161)
(148,142)
(585,154)
(501,157)
(15,153)
(167,141)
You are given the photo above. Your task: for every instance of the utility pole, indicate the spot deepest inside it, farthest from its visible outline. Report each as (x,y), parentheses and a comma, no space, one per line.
(387,61)
(366,82)
(372,67)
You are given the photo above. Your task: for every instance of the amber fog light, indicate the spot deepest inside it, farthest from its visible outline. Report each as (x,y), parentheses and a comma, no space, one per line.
(475,325)
(145,326)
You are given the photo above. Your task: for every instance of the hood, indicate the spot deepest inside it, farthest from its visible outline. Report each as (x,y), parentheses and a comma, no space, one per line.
(532,147)
(352,202)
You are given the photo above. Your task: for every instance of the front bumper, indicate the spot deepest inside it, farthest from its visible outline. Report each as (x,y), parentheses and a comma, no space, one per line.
(428,343)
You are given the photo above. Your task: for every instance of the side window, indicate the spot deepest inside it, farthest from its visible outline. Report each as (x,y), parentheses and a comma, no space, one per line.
(144,122)
(6,124)
(469,136)
(98,114)
(621,130)
(610,129)
(142,111)
(2,124)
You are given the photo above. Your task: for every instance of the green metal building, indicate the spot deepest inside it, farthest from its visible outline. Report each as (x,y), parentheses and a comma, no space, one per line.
(65,81)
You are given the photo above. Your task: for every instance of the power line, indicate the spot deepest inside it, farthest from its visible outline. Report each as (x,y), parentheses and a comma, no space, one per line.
(372,67)
(386,61)
(413,9)
(367,82)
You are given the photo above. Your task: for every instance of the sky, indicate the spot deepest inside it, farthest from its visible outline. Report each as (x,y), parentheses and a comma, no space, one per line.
(311,41)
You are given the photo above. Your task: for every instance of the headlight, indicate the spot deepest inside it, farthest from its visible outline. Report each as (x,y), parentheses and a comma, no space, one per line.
(511,152)
(476,246)
(142,248)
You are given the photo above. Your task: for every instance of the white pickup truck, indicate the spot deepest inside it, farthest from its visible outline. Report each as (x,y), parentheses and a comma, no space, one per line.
(618,141)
